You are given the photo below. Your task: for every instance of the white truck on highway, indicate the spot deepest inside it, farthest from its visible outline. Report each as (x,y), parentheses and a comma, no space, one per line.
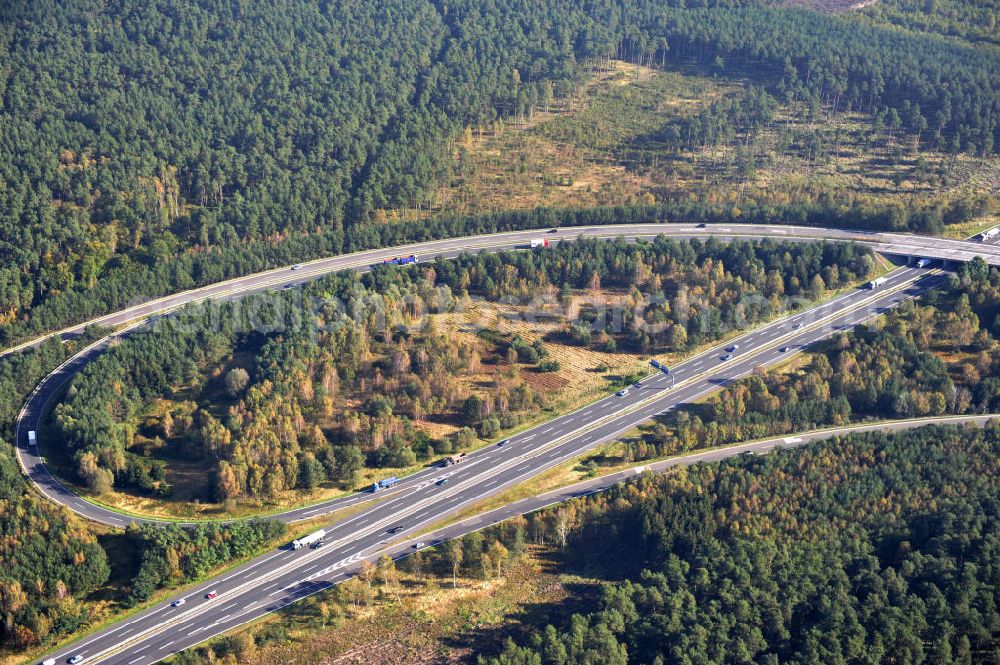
(32,439)
(877,282)
(312,538)
(539,242)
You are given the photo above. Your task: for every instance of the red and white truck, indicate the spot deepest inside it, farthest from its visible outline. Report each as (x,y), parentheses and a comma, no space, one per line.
(452,460)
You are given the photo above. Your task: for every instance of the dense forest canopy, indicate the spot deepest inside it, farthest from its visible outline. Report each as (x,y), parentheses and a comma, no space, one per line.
(975,21)
(870,549)
(49,562)
(147,148)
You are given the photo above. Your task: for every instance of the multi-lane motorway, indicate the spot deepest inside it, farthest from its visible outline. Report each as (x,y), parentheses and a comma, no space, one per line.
(283,576)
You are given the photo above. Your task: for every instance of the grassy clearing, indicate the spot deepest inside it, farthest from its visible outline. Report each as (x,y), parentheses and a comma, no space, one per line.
(969,229)
(600,145)
(419,618)
(584,374)
(576,152)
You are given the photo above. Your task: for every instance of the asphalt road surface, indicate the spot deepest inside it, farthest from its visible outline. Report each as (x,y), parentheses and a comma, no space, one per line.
(283,576)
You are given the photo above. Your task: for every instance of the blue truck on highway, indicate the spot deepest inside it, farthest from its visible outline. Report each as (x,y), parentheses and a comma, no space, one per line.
(384,484)
(401,260)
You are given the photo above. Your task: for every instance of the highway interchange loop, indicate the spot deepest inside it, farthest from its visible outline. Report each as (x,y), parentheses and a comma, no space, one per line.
(390,521)
(35,408)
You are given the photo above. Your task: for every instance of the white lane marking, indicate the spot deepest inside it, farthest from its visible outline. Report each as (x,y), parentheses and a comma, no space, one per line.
(396,500)
(166,645)
(142,648)
(99,637)
(136,660)
(255,565)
